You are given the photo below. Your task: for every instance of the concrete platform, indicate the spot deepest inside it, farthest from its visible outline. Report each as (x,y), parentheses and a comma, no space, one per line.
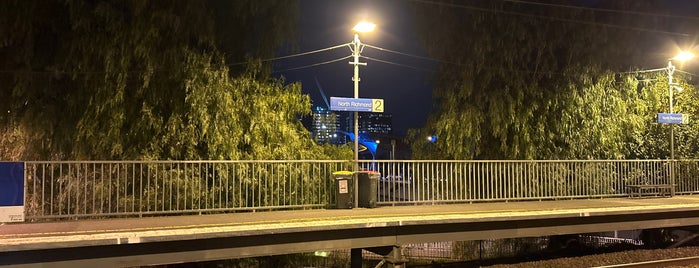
(281,232)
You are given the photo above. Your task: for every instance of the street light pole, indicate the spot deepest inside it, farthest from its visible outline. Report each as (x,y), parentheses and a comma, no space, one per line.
(683,56)
(356,47)
(670,72)
(356,51)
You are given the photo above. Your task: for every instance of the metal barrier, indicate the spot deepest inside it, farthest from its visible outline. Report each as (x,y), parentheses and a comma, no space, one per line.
(101,189)
(137,188)
(473,181)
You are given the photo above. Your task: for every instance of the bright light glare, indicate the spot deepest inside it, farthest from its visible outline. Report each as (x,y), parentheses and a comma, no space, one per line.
(432,138)
(683,56)
(364,27)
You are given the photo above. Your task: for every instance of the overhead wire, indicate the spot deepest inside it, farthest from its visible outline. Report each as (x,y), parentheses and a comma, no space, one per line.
(312,65)
(656,70)
(297,55)
(230,64)
(431,2)
(401,53)
(441,61)
(486,68)
(644,71)
(685,72)
(397,64)
(603,10)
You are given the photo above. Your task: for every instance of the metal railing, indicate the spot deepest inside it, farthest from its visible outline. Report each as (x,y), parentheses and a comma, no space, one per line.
(132,188)
(472,181)
(137,188)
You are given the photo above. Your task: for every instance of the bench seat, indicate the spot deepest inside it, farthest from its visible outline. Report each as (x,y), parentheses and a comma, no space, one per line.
(638,190)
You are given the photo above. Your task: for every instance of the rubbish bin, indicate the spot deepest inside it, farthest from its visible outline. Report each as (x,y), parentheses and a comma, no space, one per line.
(344,185)
(368,185)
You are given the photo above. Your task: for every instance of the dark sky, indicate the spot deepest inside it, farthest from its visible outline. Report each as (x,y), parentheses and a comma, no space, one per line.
(406,90)
(406,84)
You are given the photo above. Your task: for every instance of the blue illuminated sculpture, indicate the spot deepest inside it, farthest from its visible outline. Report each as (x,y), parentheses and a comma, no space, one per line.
(365,141)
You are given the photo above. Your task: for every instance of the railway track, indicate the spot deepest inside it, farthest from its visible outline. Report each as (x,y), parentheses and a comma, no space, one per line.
(686,261)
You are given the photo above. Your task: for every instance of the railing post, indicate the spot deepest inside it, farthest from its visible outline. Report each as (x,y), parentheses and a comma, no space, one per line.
(672,177)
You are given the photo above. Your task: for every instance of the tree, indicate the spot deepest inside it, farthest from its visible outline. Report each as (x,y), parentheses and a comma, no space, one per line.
(529,82)
(649,139)
(150,79)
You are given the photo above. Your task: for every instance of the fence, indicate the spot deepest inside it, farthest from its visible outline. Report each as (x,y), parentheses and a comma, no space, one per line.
(138,188)
(472,181)
(89,189)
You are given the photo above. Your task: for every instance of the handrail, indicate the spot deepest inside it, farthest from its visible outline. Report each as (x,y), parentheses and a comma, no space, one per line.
(98,189)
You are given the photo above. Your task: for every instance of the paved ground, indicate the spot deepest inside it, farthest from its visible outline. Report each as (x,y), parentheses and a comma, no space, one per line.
(33,235)
(158,240)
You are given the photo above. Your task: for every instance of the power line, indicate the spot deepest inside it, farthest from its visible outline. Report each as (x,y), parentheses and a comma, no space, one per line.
(685,72)
(414,56)
(458,64)
(401,53)
(486,67)
(398,64)
(430,2)
(445,62)
(644,71)
(312,65)
(656,70)
(603,10)
(296,55)
(231,64)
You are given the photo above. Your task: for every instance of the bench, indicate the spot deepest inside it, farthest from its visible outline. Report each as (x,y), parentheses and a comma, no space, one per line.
(638,190)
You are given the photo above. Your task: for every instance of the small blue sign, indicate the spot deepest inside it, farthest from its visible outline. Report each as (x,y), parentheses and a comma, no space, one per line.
(666,118)
(356,105)
(11,191)
(11,184)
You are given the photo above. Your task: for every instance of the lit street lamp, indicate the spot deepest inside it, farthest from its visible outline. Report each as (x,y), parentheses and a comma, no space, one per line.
(683,56)
(356,47)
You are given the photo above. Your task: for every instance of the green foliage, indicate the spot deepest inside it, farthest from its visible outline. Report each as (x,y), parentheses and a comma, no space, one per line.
(98,189)
(150,80)
(522,87)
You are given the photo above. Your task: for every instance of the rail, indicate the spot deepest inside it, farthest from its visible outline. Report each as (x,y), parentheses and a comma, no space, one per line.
(89,189)
(674,262)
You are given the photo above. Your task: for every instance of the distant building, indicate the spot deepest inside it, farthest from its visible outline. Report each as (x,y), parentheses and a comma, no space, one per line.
(381,123)
(324,125)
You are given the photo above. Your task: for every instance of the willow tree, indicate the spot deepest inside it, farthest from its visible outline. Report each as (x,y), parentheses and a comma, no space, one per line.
(521,81)
(650,139)
(149,79)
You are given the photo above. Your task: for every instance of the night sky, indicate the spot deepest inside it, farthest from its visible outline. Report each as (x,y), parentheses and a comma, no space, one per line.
(406,82)
(405,85)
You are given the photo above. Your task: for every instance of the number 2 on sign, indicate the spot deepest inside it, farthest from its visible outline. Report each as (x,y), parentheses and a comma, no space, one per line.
(378,106)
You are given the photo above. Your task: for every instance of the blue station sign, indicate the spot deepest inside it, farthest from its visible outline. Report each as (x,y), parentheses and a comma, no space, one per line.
(356,105)
(11,192)
(667,118)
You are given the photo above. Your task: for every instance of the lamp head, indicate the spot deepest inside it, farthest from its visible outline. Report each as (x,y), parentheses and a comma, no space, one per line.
(684,56)
(364,26)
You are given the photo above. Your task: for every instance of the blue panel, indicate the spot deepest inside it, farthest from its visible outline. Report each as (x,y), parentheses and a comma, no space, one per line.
(11,184)
(665,118)
(351,104)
